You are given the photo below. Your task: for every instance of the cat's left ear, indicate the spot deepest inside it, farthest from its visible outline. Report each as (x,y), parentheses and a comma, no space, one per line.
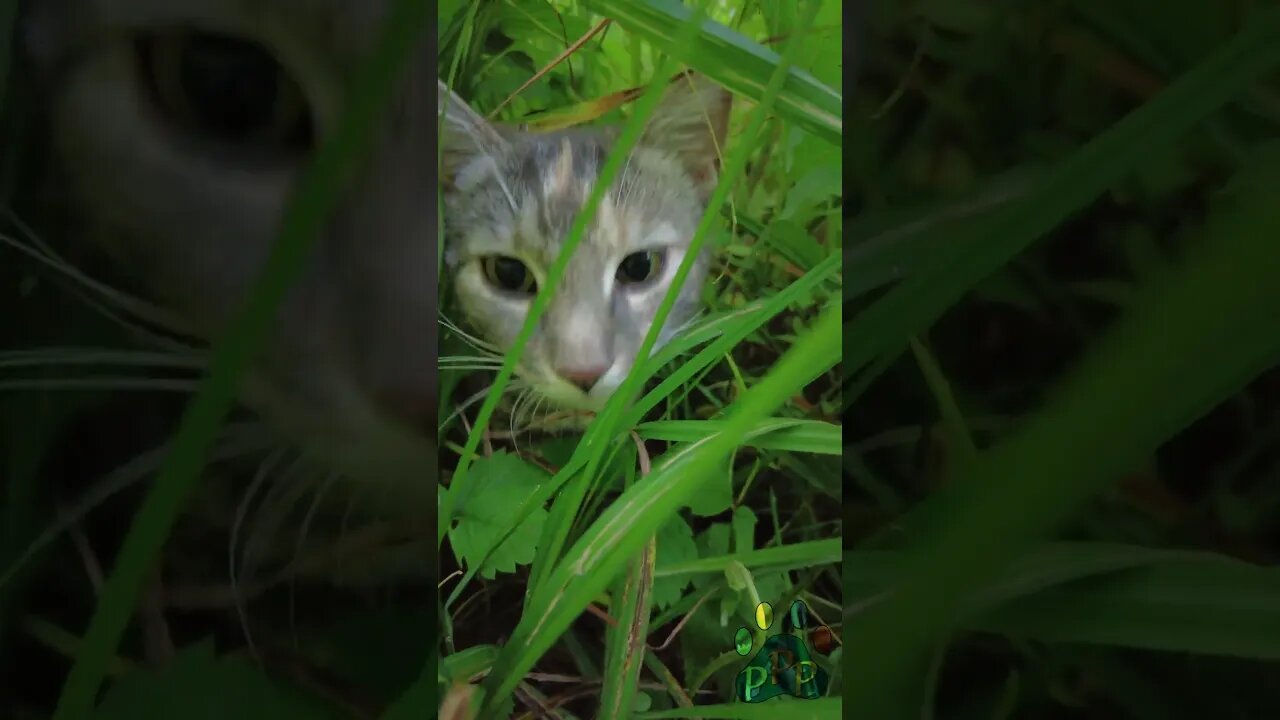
(691,123)
(468,143)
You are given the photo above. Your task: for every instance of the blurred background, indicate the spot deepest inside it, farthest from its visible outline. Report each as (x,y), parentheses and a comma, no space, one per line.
(962,115)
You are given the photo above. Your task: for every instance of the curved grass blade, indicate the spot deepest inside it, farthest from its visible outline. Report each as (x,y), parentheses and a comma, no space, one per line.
(733,60)
(1113,594)
(371,90)
(606,425)
(1209,606)
(783,434)
(613,164)
(884,328)
(1145,380)
(770,559)
(627,642)
(614,539)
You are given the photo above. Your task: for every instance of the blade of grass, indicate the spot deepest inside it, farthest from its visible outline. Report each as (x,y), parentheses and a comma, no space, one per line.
(606,425)
(1147,378)
(735,61)
(919,300)
(613,164)
(770,559)
(732,328)
(610,542)
(1114,594)
(626,648)
(785,434)
(1211,606)
(371,91)
(601,432)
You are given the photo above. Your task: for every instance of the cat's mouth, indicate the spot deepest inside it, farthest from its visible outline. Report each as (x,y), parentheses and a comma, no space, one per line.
(566,397)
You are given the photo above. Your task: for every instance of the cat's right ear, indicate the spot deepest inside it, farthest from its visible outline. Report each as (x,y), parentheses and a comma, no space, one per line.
(470,146)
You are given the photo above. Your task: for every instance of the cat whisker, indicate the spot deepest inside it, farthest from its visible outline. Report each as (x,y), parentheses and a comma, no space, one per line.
(43,357)
(260,477)
(533,414)
(472,340)
(303,529)
(446,359)
(137,307)
(237,440)
(477,397)
(470,363)
(102,383)
(515,413)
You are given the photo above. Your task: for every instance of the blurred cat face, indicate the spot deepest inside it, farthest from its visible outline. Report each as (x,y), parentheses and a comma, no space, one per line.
(181,130)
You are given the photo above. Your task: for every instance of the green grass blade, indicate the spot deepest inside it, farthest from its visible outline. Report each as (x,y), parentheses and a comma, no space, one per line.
(1210,606)
(565,508)
(772,559)
(613,165)
(371,90)
(637,514)
(607,424)
(915,303)
(1113,594)
(737,62)
(1147,378)
(783,434)
(625,651)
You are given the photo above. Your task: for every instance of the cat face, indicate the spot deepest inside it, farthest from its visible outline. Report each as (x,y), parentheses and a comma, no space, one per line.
(510,201)
(181,130)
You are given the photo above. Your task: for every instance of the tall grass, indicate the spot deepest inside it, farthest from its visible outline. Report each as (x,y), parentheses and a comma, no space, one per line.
(371,89)
(1189,333)
(581,551)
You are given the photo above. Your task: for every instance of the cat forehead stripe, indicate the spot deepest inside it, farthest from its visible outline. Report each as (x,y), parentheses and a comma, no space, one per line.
(556,181)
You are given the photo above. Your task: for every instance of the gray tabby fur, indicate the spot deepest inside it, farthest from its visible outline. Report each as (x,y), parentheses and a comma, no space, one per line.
(517,194)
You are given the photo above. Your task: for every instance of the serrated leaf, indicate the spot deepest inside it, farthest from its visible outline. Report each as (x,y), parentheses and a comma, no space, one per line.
(500,486)
(675,544)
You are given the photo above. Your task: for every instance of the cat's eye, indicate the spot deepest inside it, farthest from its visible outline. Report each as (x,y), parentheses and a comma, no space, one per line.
(509,274)
(224,88)
(640,267)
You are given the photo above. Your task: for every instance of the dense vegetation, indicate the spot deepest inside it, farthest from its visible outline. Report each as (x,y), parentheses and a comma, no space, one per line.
(1063,329)
(729,459)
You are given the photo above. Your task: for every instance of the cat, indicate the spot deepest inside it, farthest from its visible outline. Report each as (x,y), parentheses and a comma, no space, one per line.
(510,200)
(180,131)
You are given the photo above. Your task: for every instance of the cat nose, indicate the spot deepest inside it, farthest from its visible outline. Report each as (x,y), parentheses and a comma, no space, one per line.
(583,378)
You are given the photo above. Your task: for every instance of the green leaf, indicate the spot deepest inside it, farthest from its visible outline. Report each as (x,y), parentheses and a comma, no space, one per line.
(744,529)
(675,546)
(488,506)
(592,562)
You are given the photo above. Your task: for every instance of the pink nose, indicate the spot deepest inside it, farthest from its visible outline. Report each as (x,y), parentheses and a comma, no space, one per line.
(583,378)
